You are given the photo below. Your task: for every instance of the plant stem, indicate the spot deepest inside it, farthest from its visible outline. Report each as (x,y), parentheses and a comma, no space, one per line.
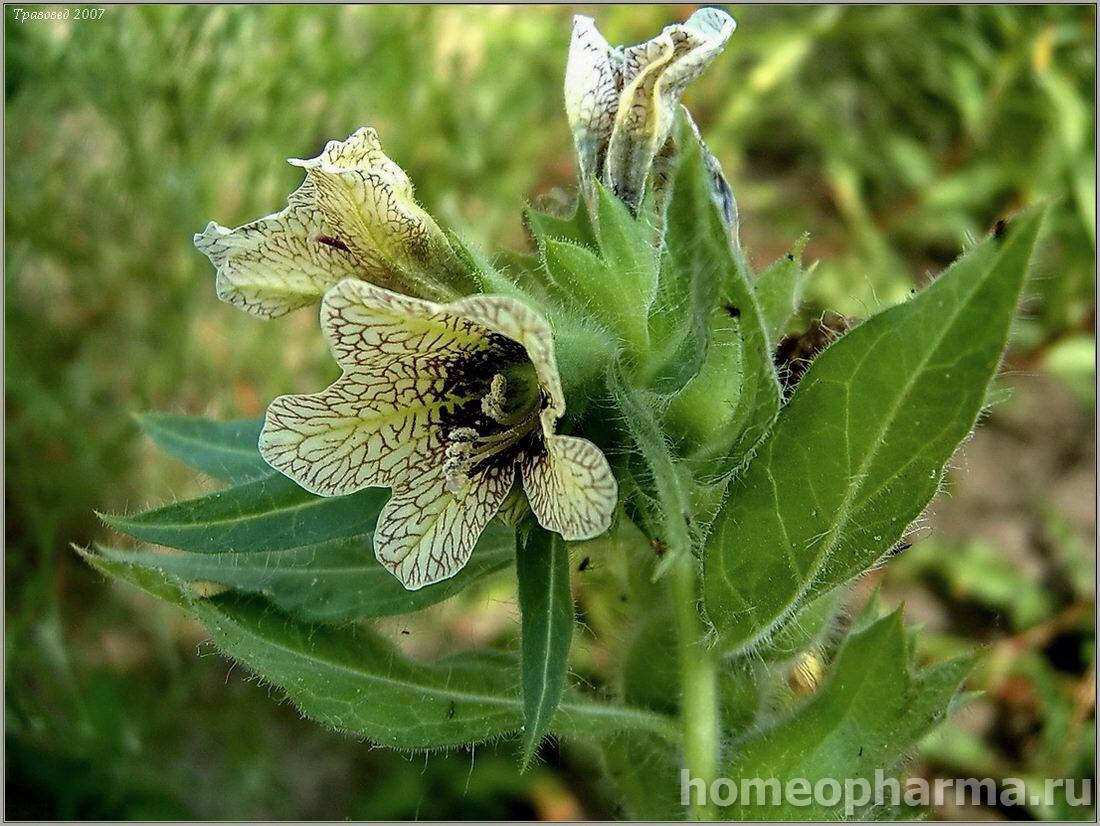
(699,685)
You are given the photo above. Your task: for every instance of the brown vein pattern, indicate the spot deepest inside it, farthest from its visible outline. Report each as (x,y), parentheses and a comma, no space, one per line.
(426,533)
(410,413)
(382,421)
(593,80)
(622,103)
(570,487)
(368,200)
(353,217)
(274,264)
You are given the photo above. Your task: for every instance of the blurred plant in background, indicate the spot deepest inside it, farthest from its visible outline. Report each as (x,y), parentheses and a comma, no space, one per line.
(899,134)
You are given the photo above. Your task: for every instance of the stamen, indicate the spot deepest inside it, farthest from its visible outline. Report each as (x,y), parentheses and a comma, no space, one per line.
(456,470)
(457,464)
(495,443)
(466,448)
(492,403)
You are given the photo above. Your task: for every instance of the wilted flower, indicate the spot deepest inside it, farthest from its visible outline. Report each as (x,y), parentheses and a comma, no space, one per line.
(440,402)
(353,217)
(622,102)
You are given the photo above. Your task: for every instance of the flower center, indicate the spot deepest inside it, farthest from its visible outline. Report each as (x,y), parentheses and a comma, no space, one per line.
(509,414)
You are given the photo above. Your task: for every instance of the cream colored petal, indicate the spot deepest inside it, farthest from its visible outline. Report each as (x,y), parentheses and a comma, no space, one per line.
(368,200)
(426,533)
(367,325)
(515,320)
(362,150)
(371,428)
(655,75)
(593,80)
(407,373)
(696,42)
(277,263)
(570,487)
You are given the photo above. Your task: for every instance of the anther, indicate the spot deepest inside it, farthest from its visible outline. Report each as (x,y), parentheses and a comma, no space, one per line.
(492,404)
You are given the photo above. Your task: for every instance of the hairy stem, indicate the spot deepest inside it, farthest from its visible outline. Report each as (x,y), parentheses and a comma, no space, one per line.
(699,684)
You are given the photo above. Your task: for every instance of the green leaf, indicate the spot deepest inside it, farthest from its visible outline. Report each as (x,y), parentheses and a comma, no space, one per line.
(869,713)
(577,228)
(581,279)
(269,514)
(331,581)
(546,617)
(312,556)
(224,450)
(153,583)
(812,623)
(491,279)
(629,248)
(646,773)
(711,397)
(779,291)
(646,769)
(351,679)
(606,283)
(665,501)
(859,450)
(719,417)
(650,670)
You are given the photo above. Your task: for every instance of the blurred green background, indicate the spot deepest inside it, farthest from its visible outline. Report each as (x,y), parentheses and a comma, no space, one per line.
(894,135)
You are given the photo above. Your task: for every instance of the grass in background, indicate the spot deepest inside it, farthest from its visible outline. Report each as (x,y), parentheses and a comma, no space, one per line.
(894,135)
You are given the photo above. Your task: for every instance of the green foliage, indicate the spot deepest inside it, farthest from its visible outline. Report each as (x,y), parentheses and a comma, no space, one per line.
(811,624)
(546,610)
(779,291)
(332,581)
(309,555)
(895,135)
(348,677)
(610,282)
(663,500)
(224,450)
(901,391)
(1033,677)
(354,681)
(723,428)
(269,514)
(872,709)
(859,450)
(645,771)
(576,228)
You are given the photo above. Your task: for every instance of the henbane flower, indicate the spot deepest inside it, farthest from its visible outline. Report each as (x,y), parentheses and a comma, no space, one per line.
(353,217)
(622,103)
(442,403)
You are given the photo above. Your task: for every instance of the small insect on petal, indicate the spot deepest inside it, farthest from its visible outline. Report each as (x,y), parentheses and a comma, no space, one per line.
(272,265)
(332,242)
